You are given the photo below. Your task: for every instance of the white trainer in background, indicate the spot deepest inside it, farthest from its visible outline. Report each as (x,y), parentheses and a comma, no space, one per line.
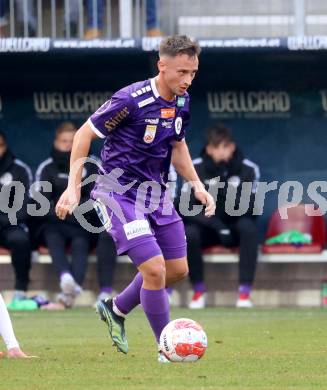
(102,297)
(198,301)
(68,284)
(244,303)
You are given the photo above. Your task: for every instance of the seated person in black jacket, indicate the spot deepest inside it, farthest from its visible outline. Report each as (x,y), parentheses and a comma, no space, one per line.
(60,235)
(222,158)
(15,237)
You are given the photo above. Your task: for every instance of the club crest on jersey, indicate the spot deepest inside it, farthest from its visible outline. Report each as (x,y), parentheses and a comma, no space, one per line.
(178,125)
(167,113)
(106,105)
(150,133)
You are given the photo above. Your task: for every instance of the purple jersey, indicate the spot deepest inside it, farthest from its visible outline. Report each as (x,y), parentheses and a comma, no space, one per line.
(139,127)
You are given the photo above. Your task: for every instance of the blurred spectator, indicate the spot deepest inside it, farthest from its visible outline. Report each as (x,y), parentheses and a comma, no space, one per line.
(222,158)
(3,20)
(95,18)
(15,237)
(26,13)
(152,23)
(60,235)
(106,264)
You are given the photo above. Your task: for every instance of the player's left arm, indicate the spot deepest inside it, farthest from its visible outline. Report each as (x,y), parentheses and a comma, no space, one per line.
(183,164)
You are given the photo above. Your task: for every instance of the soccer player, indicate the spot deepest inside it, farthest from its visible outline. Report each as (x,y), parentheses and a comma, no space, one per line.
(144,129)
(7,333)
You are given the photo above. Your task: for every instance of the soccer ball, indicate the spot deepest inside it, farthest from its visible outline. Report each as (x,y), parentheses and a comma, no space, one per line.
(183,340)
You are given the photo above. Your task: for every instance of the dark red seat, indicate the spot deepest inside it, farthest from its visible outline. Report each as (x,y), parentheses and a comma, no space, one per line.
(297,220)
(43,250)
(4,251)
(219,250)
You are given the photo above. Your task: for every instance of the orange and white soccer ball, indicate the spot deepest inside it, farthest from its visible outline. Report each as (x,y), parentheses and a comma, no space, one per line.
(183,340)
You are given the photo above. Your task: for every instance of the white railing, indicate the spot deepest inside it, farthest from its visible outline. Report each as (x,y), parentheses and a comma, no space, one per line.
(77,18)
(137,18)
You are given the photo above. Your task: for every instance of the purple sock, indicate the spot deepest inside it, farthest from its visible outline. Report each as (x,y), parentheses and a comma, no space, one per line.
(106,289)
(130,297)
(199,287)
(244,289)
(169,290)
(156,307)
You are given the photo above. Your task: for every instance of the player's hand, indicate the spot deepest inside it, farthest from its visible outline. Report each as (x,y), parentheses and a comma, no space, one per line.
(68,201)
(207,200)
(17,353)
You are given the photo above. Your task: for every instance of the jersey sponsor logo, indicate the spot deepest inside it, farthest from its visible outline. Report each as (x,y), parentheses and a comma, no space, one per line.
(150,133)
(152,121)
(137,228)
(167,124)
(167,113)
(145,102)
(178,125)
(6,179)
(112,123)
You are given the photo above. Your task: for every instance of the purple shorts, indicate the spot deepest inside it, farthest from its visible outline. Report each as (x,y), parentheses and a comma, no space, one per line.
(138,232)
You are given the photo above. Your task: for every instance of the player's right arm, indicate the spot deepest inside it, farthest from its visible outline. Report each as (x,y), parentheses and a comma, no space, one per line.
(81,146)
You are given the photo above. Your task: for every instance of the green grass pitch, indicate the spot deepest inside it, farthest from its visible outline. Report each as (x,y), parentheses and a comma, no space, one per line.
(248,349)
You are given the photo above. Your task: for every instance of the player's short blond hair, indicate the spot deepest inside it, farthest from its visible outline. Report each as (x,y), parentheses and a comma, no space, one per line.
(179,44)
(65,127)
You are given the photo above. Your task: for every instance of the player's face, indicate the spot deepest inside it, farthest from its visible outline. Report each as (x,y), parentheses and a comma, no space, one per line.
(3,146)
(178,72)
(222,152)
(64,141)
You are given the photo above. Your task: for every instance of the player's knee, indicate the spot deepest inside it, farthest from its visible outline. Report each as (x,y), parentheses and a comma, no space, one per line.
(182,272)
(155,273)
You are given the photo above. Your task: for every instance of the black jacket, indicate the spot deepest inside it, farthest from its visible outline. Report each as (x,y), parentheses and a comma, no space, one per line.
(55,170)
(237,171)
(12,169)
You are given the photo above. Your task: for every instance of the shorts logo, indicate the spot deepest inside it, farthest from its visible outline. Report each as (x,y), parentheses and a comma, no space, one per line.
(178,125)
(137,228)
(101,210)
(167,113)
(150,133)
